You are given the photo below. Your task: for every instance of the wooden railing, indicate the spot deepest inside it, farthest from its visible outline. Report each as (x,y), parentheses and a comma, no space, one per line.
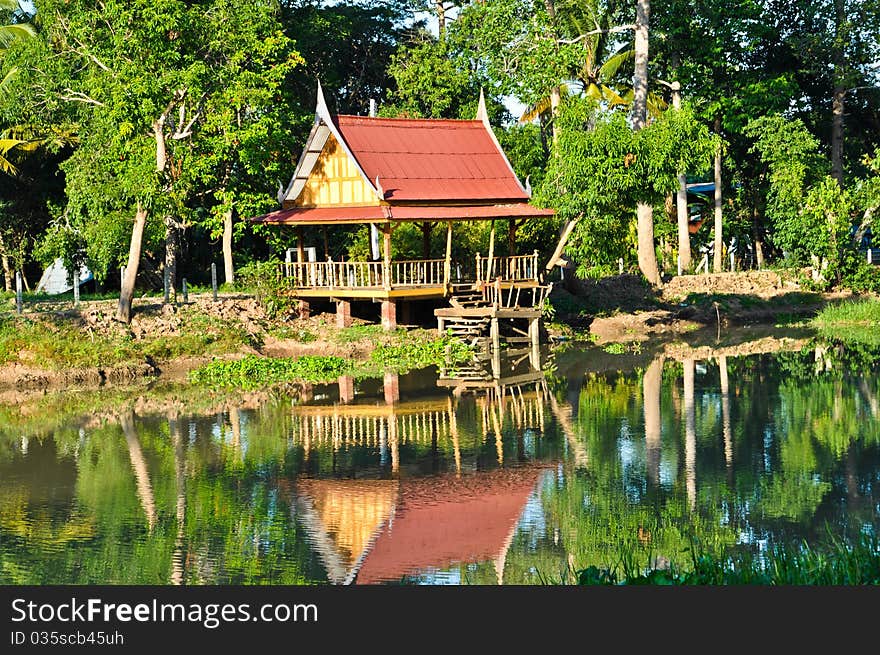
(519,268)
(418,273)
(333,275)
(514,295)
(366,275)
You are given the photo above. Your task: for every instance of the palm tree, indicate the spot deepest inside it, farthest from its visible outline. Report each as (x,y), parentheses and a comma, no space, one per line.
(8,34)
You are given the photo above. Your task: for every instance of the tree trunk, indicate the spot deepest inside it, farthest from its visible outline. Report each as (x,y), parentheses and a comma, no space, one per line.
(123,311)
(718,259)
(427,228)
(172,238)
(227,247)
(555,101)
(756,237)
(681,208)
(441,17)
(7,273)
(647,255)
(839,98)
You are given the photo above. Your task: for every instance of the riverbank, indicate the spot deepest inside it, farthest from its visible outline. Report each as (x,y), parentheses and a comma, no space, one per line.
(624,308)
(55,344)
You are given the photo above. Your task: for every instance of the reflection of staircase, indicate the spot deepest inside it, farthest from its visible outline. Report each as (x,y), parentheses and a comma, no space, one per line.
(467,328)
(466,297)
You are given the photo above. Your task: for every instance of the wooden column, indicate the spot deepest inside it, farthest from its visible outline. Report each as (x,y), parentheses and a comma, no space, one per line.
(300,250)
(535,340)
(490,263)
(447,264)
(386,255)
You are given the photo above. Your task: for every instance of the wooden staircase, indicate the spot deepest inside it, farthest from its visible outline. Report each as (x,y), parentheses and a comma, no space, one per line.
(466,297)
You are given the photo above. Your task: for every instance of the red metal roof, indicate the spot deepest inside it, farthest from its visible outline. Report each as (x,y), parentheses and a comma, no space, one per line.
(423,159)
(342,215)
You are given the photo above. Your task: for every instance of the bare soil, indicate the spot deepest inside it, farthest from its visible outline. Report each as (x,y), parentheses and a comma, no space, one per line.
(625,308)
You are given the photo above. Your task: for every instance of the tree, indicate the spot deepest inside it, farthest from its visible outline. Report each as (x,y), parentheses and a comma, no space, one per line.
(644,211)
(141,79)
(603,165)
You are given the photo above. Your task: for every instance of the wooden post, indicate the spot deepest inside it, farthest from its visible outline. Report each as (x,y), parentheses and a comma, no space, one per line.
(165,286)
(490,263)
(76,289)
(18,301)
(185,292)
(300,250)
(478,268)
(535,340)
(391,387)
(386,255)
(447,264)
(214,279)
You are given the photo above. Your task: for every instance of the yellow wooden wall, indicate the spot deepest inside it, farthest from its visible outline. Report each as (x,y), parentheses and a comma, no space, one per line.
(335,181)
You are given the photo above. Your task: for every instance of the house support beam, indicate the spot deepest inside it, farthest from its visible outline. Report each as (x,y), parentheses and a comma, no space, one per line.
(304,308)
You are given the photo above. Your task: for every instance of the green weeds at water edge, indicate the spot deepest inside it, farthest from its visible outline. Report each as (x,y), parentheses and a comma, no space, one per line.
(253,372)
(856,321)
(838,564)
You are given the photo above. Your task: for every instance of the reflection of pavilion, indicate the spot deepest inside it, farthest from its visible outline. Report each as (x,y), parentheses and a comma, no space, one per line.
(369,531)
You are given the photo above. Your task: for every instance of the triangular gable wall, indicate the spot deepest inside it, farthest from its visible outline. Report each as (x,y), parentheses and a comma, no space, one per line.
(323,128)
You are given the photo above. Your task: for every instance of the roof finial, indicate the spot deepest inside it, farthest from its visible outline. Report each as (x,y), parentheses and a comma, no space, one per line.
(482,114)
(528,186)
(320,103)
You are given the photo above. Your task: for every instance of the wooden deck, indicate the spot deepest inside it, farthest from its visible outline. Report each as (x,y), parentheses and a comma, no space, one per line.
(415,278)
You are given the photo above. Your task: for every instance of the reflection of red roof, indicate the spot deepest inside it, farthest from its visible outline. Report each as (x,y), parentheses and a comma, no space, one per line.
(419,159)
(441,520)
(325,215)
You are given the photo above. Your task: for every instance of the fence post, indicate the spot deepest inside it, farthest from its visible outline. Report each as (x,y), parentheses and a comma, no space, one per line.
(870,256)
(76,289)
(18,301)
(185,292)
(620,265)
(165,286)
(214,279)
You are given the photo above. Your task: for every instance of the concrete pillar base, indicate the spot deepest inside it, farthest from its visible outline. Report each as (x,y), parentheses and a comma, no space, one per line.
(389,314)
(343,314)
(304,310)
(391,386)
(346,388)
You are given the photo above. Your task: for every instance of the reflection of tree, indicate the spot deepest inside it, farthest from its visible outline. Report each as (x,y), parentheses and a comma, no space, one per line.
(651,398)
(139,465)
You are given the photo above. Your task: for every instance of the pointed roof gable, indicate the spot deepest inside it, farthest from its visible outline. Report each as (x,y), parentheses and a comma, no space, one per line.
(412,160)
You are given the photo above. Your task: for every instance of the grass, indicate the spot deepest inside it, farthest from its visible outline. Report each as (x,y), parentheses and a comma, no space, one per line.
(834,564)
(255,372)
(54,342)
(853,321)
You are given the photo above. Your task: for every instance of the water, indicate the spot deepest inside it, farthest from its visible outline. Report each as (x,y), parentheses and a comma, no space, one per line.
(596,459)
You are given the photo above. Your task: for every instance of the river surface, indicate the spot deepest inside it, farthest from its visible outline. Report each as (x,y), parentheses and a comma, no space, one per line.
(518,476)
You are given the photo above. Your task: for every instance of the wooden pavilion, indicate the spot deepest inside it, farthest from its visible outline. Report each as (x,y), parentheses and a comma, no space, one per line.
(383,172)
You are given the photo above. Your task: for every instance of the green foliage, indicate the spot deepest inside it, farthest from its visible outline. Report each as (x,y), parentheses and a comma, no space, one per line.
(264,280)
(834,564)
(603,169)
(253,372)
(851,322)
